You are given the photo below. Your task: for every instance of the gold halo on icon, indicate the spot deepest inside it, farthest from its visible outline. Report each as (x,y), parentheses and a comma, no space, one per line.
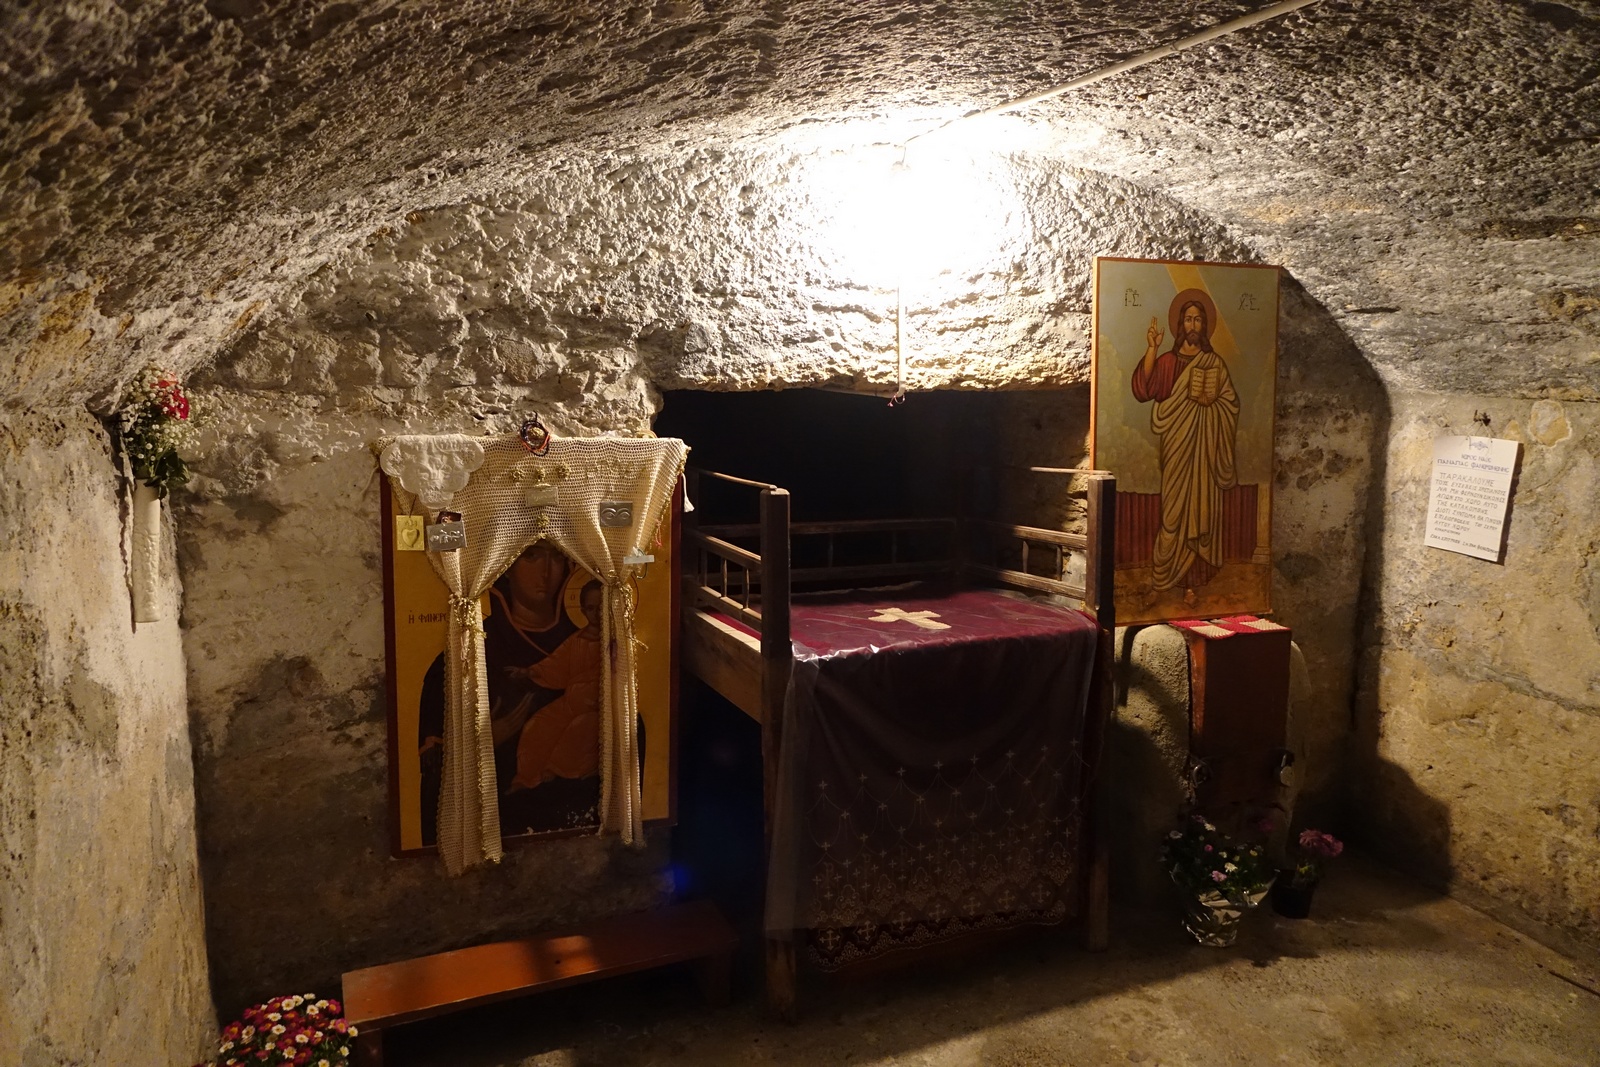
(572,595)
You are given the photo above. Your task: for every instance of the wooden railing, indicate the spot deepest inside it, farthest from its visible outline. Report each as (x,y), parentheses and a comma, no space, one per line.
(894,536)
(1095,592)
(720,574)
(745,584)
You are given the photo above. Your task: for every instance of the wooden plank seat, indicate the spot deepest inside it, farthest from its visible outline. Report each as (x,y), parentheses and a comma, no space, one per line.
(378,998)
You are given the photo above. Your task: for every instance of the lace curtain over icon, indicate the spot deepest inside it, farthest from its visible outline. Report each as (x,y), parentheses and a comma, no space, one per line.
(489,482)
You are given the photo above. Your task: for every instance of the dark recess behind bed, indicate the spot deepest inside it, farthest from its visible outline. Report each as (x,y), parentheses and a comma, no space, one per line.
(841,456)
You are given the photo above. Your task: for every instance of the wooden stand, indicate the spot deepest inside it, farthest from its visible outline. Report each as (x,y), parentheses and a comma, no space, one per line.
(1238,716)
(377,998)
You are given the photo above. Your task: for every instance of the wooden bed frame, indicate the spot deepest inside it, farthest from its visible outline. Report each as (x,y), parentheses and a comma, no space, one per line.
(754,587)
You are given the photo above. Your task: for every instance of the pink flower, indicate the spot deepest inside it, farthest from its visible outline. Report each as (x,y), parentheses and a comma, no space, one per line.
(1218,876)
(1320,844)
(1208,848)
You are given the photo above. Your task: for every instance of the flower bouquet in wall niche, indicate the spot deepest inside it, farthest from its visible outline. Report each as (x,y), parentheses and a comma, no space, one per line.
(1291,893)
(1220,879)
(299,1030)
(157,419)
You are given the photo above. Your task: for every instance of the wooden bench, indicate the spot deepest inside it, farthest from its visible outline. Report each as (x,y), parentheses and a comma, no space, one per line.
(377,998)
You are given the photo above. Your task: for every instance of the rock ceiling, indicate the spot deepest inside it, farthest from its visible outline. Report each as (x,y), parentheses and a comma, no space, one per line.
(172,171)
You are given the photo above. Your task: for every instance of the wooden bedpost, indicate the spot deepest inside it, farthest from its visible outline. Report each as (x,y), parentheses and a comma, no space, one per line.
(1101,582)
(777,658)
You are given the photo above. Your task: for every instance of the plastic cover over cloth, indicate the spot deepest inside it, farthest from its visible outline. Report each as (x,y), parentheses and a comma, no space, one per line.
(930,779)
(488,481)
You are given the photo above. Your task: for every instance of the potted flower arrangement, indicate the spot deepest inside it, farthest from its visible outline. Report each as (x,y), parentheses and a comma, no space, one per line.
(298,1030)
(1291,893)
(1220,878)
(157,419)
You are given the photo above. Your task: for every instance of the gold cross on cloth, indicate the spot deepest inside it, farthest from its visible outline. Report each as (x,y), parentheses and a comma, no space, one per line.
(922,619)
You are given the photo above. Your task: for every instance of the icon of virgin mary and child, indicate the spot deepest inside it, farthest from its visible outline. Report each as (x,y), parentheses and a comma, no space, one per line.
(544,654)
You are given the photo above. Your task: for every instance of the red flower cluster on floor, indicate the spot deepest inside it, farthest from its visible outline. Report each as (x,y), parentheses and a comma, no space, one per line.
(298,1030)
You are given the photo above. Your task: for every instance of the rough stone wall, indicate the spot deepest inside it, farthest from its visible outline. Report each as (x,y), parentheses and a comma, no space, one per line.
(1479,711)
(172,171)
(102,955)
(580,296)
(714,269)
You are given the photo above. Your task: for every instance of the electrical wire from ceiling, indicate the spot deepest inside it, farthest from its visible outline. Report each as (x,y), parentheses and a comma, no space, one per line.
(1222,29)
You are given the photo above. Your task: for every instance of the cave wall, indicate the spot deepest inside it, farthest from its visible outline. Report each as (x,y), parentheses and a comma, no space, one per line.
(581,296)
(102,951)
(1479,706)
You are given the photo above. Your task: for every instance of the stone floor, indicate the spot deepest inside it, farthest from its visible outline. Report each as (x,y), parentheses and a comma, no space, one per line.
(1383,974)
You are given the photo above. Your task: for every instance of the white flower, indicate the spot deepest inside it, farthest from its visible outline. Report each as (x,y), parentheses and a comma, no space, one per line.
(1210,827)
(274,1016)
(352,1032)
(1230,867)
(1176,835)
(344,1050)
(278,1029)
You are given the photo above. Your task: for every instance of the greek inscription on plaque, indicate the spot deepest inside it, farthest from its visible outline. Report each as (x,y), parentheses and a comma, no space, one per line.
(1469,495)
(449,534)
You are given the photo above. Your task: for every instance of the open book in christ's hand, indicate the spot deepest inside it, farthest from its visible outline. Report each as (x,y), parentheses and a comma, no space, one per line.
(1204,385)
